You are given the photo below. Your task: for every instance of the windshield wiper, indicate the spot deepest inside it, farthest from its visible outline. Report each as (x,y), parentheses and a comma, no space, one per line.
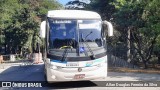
(65,53)
(89,48)
(83,49)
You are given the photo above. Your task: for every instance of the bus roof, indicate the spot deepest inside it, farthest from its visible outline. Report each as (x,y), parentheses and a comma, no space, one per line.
(73,14)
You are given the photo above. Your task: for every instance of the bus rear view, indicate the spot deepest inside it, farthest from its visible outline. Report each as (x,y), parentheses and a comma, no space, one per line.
(75,45)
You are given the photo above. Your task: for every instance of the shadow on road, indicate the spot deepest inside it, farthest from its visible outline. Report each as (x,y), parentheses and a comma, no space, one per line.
(9,70)
(22,73)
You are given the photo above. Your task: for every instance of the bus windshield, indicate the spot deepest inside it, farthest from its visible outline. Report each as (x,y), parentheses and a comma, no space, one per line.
(64,32)
(90,31)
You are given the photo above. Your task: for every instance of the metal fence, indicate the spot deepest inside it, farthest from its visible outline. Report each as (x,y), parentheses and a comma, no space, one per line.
(34,58)
(117,62)
(14,59)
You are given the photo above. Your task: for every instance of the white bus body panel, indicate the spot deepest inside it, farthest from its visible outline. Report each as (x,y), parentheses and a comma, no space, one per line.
(73,14)
(95,69)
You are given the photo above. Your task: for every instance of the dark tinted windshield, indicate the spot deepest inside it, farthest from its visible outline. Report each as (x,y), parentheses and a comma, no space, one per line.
(90,31)
(62,33)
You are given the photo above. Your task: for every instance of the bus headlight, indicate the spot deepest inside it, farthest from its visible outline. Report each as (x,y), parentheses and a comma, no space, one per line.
(59,67)
(52,66)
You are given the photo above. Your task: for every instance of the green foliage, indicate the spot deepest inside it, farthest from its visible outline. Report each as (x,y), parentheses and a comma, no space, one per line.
(19,21)
(141,17)
(119,3)
(129,15)
(151,16)
(104,7)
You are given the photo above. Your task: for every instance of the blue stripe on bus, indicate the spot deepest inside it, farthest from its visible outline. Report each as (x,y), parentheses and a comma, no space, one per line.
(59,61)
(90,64)
(98,60)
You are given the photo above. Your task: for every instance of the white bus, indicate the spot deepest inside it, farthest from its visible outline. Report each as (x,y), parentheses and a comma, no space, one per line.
(75,45)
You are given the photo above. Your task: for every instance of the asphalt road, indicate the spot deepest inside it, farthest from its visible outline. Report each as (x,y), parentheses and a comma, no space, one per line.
(35,73)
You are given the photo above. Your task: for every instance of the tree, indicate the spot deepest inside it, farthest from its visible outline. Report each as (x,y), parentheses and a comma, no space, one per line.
(138,18)
(78,4)
(149,33)
(125,18)
(104,7)
(137,21)
(20,22)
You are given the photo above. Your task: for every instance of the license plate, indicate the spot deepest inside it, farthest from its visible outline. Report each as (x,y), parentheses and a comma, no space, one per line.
(79,76)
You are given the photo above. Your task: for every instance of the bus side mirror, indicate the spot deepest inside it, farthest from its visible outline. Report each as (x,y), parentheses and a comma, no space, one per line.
(110,27)
(43,29)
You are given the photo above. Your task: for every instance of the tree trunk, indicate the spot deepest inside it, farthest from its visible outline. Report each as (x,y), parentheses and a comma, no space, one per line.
(20,49)
(158,59)
(128,45)
(145,65)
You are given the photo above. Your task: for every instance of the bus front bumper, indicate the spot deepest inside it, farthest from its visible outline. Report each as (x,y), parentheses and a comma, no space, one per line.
(76,74)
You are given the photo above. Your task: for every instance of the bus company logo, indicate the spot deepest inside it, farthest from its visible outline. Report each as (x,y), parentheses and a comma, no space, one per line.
(6,84)
(79,69)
